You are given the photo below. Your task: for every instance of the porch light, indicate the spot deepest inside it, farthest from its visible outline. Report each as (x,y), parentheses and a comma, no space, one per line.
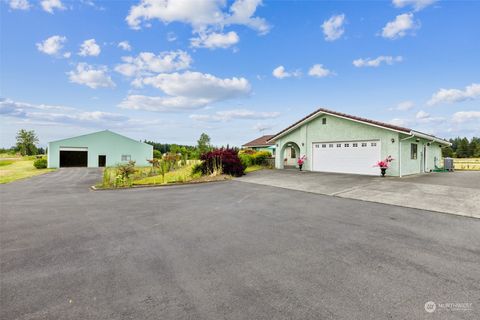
(393,140)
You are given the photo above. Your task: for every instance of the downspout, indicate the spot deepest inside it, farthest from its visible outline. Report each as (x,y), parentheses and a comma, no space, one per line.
(400,153)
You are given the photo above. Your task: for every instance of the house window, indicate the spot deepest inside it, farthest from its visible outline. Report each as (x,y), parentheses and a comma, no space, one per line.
(317,146)
(292,153)
(339,145)
(355,145)
(324,120)
(126,157)
(330,145)
(324,145)
(364,144)
(413,151)
(346,145)
(373,144)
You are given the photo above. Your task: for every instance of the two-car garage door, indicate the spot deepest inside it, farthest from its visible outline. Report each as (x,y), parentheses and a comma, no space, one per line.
(357,157)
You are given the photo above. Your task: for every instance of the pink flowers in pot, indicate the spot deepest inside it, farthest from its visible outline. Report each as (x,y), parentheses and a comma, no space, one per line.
(384,164)
(300,161)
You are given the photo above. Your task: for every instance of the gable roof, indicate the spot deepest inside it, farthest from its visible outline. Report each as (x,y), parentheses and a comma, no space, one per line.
(102,131)
(260,142)
(374,123)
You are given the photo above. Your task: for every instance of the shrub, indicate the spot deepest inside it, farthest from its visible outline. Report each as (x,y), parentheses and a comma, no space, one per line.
(197,168)
(124,170)
(226,158)
(157,154)
(40,163)
(261,157)
(246,158)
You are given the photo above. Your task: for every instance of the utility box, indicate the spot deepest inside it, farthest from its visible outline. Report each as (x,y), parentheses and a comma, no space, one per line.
(448,164)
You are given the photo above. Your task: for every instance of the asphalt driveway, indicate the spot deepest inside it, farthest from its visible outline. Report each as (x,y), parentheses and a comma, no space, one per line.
(453,192)
(228,250)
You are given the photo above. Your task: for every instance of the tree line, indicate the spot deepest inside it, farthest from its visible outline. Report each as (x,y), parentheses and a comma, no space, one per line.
(463,148)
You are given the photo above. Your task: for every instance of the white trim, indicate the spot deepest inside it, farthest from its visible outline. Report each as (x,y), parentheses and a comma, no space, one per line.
(73,149)
(317,114)
(333,115)
(429,137)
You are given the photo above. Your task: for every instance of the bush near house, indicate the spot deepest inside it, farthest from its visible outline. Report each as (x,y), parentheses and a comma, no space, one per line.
(40,163)
(254,158)
(225,158)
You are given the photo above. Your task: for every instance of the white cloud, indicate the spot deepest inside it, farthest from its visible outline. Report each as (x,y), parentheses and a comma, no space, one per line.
(422,115)
(147,63)
(90,76)
(52,46)
(124,45)
(467,116)
(50,5)
(399,27)
(404,106)
(236,114)
(89,48)
(19,4)
(333,27)
(199,85)
(280,73)
(200,14)
(471,92)
(319,71)
(188,90)
(162,104)
(416,4)
(399,122)
(262,127)
(215,40)
(171,36)
(377,61)
(57,114)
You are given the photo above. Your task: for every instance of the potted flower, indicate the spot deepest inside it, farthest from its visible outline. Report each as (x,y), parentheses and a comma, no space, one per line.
(300,161)
(384,164)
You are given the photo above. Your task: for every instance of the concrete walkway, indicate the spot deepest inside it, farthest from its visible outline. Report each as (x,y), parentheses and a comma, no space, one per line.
(454,193)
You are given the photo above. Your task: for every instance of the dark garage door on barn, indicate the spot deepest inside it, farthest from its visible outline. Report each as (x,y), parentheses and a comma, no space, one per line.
(73,157)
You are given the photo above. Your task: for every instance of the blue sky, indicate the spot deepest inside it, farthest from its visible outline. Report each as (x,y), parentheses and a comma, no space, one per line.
(170,70)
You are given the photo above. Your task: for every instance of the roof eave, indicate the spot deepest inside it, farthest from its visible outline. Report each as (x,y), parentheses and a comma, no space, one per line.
(318,113)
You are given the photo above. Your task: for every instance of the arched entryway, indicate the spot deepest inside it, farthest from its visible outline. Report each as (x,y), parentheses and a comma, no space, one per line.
(290,154)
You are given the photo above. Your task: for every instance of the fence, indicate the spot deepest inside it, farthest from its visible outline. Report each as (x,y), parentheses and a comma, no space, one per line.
(471,164)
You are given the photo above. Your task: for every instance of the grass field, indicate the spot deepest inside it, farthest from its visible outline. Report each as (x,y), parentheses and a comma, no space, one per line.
(15,168)
(471,164)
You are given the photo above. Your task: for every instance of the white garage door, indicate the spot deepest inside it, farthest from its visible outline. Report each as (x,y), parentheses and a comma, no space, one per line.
(357,157)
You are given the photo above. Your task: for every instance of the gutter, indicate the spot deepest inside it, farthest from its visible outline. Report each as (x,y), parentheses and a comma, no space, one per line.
(400,152)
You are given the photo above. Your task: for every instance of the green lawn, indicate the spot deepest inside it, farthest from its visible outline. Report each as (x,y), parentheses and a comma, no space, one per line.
(18,168)
(254,167)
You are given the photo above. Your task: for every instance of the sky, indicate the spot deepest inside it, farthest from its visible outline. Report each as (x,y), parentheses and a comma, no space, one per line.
(169,70)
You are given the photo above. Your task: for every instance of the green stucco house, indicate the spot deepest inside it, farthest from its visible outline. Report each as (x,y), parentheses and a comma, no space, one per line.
(98,149)
(261,144)
(336,142)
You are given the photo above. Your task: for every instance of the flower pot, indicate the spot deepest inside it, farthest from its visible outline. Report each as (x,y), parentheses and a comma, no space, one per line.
(383,171)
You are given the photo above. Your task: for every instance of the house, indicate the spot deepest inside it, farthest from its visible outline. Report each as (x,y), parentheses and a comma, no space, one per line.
(98,149)
(338,142)
(261,144)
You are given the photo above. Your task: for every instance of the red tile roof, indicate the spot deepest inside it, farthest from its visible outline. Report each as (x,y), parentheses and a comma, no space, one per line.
(344,115)
(260,142)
